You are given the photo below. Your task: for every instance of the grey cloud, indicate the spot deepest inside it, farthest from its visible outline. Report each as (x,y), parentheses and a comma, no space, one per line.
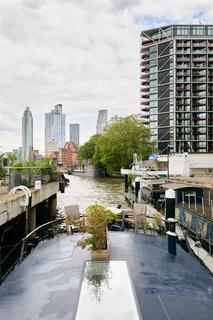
(83,54)
(34,4)
(120,5)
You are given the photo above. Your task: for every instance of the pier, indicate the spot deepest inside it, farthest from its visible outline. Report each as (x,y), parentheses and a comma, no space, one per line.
(25,205)
(10,204)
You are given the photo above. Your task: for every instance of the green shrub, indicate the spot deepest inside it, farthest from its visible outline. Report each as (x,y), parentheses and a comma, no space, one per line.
(97,218)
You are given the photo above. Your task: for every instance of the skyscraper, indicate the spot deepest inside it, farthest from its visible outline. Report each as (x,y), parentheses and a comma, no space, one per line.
(177,86)
(55,127)
(27,135)
(74,133)
(102,121)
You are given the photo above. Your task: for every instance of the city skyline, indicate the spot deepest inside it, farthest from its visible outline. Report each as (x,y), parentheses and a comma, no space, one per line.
(62,51)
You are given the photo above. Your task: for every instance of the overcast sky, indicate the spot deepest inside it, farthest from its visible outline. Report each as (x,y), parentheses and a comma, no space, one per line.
(81,53)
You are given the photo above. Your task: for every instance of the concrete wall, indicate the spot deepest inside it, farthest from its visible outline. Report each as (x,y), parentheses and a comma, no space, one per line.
(90,171)
(10,208)
(179,165)
(200,160)
(191,164)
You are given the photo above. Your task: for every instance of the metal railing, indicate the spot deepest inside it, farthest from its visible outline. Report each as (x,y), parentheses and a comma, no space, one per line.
(10,257)
(199,227)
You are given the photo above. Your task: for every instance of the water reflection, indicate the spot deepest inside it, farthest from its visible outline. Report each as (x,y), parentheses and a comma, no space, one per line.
(85,191)
(97,277)
(107,293)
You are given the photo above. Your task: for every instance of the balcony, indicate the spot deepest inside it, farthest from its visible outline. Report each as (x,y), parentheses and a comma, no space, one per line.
(144,89)
(144,64)
(178,46)
(200,52)
(144,102)
(198,45)
(145,82)
(145,42)
(145,114)
(145,95)
(199,80)
(182,59)
(198,73)
(183,73)
(183,65)
(196,132)
(145,121)
(196,89)
(145,55)
(198,64)
(144,76)
(198,94)
(183,88)
(145,108)
(144,71)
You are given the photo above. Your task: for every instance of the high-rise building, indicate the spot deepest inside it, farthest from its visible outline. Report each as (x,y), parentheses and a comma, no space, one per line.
(102,121)
(177,87)
(74,133)
(55,128)
(27,135)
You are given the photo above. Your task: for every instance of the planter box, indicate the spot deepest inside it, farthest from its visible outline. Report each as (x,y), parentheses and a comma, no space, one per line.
(101,255)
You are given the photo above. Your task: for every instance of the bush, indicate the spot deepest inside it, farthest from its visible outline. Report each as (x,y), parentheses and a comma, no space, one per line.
(97,218)
(3,172)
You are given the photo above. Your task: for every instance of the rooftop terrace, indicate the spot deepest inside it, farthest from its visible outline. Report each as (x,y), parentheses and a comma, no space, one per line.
(47,284)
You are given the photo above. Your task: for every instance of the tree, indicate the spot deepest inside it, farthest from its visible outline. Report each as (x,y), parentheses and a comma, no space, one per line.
(90,150)
(114,149)
(11,157)
(3,171)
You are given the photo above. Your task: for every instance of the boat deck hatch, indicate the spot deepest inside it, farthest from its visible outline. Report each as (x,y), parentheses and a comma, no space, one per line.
(107,292)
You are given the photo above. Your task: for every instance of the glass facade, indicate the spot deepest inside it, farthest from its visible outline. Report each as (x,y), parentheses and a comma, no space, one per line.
(74,133)
(177,87)
(55,127)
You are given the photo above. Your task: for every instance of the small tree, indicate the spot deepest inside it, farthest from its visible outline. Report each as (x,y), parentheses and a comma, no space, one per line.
(97,219)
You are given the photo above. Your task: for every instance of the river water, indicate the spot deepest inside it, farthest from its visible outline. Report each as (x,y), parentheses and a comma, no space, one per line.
(85,191)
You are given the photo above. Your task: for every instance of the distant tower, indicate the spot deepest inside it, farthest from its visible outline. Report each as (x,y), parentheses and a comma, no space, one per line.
(74,133)
(27,135)
(54,128)
(102,121)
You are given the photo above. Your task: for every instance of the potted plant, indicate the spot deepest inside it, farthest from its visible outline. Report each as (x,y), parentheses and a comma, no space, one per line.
(97,218)
(159,224)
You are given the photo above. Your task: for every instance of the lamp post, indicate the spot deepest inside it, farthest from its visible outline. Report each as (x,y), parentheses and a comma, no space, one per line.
(168,151)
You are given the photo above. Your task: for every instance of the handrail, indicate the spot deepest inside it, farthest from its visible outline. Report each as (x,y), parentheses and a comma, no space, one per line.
(43,225)
(11,251)
(23,242)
